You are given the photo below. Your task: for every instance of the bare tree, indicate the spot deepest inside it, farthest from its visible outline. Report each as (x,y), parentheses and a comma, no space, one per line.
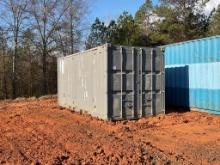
(29,50)
(13,16)
(3,56)
(33,33)
(47,17)
(74,14)
(70,35)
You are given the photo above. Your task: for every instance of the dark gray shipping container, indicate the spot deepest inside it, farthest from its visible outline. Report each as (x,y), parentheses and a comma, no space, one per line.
(113,82)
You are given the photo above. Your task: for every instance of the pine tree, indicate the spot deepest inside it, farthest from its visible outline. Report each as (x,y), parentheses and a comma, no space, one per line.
(98,34)
(127,31)
(214,27)
(179,20)
(144,17)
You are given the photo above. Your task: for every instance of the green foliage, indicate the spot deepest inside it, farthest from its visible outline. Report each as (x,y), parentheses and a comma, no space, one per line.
(167,27)
(127,30)
(124,32)
(144,16)
(98,34)
(179,20)
(112,32)
(169,22)
(214,27)
(144,11)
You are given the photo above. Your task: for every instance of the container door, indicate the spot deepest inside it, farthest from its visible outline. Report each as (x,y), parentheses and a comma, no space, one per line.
(131,81)
(147,78)
(128,83)
(158,82)
(137,53)
(125,82)
(121,83)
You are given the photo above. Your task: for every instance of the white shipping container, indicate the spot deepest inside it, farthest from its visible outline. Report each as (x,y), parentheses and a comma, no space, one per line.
(113,82)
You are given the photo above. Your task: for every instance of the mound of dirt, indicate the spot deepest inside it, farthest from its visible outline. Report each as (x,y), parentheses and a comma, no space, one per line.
(34,131)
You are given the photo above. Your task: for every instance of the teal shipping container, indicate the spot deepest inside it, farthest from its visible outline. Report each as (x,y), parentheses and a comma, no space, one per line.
(193,74)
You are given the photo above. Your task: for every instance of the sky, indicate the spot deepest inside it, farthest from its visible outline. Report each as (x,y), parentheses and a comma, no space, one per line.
(212,4)
(107,10)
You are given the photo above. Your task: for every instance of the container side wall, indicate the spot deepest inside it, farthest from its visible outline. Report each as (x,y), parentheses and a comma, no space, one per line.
(193,74)
(82,82)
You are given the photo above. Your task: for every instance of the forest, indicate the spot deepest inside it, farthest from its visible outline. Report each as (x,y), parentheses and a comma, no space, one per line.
(33,33)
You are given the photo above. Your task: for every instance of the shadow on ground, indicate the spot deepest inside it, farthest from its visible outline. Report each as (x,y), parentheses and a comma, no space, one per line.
(170,109)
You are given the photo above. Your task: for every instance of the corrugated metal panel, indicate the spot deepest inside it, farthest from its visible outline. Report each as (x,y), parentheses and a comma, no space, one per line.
(113,82)
(193,74)
(82,80)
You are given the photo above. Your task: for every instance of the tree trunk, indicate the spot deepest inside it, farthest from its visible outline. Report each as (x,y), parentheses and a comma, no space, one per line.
(4,79)
(71,34)
(14,85)
(44,62)
(31,75)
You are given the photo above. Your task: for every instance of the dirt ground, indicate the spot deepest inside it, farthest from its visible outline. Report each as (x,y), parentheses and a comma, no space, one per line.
(39,132)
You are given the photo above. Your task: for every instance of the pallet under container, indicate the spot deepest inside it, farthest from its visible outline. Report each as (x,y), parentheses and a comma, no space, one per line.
(113,82)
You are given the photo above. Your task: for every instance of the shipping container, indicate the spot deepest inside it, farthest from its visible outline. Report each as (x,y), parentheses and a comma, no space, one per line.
(193,74)
(113,82)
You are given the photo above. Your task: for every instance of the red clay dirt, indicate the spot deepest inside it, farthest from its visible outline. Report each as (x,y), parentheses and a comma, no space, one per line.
(40,132)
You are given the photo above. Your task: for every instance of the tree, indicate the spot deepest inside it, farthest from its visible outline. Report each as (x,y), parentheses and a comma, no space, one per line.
(124,32)
(111,32)
(168,28)
(180,20)
(127,30)
(3,65)
(28,52)
(32,34)
(14,16)
(144,17)
(47,17)
(73,18)
(98,34)
(69,36)
(214,27)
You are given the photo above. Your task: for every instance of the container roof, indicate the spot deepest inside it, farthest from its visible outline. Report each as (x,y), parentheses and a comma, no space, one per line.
(189,41)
